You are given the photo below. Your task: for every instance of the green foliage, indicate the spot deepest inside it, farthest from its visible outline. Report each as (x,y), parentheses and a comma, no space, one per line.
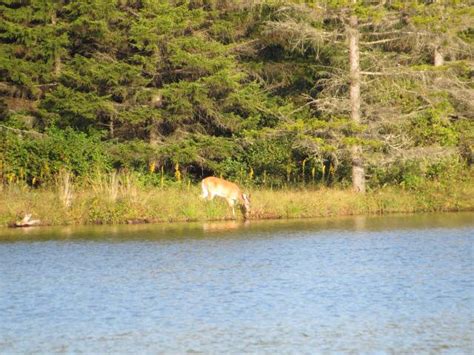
(38,159)
(416,174)
(200,153)
(131,155)
(269,156)
(75,109)
(433,126)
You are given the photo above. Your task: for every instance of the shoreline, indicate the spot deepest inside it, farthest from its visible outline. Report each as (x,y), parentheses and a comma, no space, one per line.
(240,220)
(182,204)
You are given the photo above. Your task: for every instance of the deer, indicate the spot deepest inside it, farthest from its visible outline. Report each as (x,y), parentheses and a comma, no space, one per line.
(214,186)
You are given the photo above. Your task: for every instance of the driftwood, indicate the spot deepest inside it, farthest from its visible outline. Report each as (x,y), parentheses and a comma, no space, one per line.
(27,222)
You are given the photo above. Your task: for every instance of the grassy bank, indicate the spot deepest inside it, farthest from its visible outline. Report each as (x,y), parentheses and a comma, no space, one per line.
(119,202)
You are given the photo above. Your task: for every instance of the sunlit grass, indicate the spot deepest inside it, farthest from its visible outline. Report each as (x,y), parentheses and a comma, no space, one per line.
(121,199)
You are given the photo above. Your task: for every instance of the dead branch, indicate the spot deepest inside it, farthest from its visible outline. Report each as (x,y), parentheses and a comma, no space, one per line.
(22,131)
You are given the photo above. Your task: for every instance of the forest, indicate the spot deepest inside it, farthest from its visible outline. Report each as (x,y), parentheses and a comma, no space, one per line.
(267,93)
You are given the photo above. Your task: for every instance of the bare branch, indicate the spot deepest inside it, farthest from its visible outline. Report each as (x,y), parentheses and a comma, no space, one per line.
(381,41)
(22,131)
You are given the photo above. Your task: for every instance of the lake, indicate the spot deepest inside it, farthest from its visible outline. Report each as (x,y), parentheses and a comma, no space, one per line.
(358,284)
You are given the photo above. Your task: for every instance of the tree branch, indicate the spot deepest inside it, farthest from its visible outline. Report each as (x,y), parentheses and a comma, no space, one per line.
(380,41)
(22,131)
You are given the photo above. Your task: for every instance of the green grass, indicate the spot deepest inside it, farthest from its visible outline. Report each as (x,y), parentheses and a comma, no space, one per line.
(124,201)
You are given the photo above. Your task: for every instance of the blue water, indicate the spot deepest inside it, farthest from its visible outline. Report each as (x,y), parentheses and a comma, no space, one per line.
(381,284)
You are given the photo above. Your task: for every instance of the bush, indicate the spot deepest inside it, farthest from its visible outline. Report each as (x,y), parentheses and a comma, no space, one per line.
(38,159)
(414,174)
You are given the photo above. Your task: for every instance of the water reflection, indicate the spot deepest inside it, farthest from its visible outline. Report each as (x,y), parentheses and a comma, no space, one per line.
(360,223)
(238,228)
(224,226)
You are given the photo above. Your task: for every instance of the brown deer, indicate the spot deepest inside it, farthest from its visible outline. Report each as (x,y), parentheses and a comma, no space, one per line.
(213,186)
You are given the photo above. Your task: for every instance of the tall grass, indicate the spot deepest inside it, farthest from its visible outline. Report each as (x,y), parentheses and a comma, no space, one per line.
(123,198)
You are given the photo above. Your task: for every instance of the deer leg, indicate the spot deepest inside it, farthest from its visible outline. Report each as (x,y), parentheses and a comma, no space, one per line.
(231,205)
(204,193)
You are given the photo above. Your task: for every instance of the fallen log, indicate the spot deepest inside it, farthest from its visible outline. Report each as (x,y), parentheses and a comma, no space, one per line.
(27,222)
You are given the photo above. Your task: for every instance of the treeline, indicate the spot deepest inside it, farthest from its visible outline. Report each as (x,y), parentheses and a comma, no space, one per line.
(266,92)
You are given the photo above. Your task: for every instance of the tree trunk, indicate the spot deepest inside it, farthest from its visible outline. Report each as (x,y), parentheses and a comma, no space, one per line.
(57,56)
(153,133)
(358,170)
(111,128)
(438,57)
